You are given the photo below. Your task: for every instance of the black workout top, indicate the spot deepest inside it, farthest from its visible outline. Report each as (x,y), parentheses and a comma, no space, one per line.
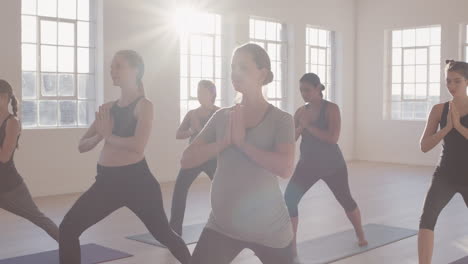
(124,119)
(9,176)
(318,152)
(453,163)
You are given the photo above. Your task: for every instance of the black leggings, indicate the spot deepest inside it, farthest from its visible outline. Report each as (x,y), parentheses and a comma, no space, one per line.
(183,183)
(216,248)
(132,186)
(439,195)
(305,177)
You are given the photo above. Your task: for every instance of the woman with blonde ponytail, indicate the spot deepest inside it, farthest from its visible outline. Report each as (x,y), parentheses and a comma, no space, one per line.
(14,194)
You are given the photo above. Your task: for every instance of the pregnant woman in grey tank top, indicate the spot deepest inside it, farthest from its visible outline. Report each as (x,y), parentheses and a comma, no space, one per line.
(254,144)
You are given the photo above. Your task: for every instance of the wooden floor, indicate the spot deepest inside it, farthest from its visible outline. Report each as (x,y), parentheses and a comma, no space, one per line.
(386,193)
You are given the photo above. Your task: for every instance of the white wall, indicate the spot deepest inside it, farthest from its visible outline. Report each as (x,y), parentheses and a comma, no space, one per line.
(387,140)
(48,159)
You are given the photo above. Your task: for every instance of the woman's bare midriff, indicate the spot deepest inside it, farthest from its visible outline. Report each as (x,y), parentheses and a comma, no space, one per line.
(116,157)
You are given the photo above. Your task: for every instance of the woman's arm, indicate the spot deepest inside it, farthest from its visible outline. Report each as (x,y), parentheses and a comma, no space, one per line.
(185,131)
(431,137)
(205,146)
(10,142)
(280,161)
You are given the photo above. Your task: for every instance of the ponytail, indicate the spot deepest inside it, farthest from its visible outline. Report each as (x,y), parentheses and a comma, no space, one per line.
(14,105)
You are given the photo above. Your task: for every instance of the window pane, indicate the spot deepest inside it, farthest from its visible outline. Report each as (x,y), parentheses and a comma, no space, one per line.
(409,74)
(409,91)
(397,38)
(207,46)
(271,31)
(409,56)
(260,27)
(48,58)
(48,113)
(207,67)
(206,23)
(322,38)
(67,9)
(29,113)
(86,113)
(67,113)
(313,37)
(321,57)
(396,74)
(83,10)
(422,37)
(49,84)
(66,85)
(83,34)
(195,66)
(435,35)
(421,56)
(434,91)
(435,72)
(409,37)
(314,56)
(66,59)
(28,29)
(396,92)
(218,47)
(421,74)
(421,91)
(435,55)
(86,87)
(66,35)
(195,45)
(47,8)
(28,81)
(28,7)
(194,87)
(28,57)
(85,61)
(48,32)
(396,57)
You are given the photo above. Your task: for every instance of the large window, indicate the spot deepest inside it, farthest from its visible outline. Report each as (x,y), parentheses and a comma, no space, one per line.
(319,56)
(200,57)
(58,75)
(415,72)
(272,37)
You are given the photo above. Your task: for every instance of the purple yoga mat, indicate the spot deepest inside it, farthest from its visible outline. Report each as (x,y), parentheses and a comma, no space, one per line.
(90,254)
(461,261)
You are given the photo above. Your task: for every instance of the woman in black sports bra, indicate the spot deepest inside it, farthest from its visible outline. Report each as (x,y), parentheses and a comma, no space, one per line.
(448,122)
(123,177)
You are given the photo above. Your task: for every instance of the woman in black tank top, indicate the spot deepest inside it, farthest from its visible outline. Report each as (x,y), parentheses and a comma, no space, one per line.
(14,194)
(448,122)
(123,177)
(193,123)
(318,123)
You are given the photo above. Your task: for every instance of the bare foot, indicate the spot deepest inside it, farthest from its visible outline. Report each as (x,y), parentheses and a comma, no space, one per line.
(363,243)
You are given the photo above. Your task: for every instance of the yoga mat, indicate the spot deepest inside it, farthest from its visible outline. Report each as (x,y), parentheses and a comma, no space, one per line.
(190,235)
(461,261)
(342,245)
(90,254)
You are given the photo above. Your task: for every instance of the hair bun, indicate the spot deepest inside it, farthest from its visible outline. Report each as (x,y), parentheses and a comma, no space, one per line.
(269,78)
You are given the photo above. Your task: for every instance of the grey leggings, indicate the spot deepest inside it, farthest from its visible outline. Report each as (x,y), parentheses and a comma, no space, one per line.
(19,202)
(216,248)
(439,195)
